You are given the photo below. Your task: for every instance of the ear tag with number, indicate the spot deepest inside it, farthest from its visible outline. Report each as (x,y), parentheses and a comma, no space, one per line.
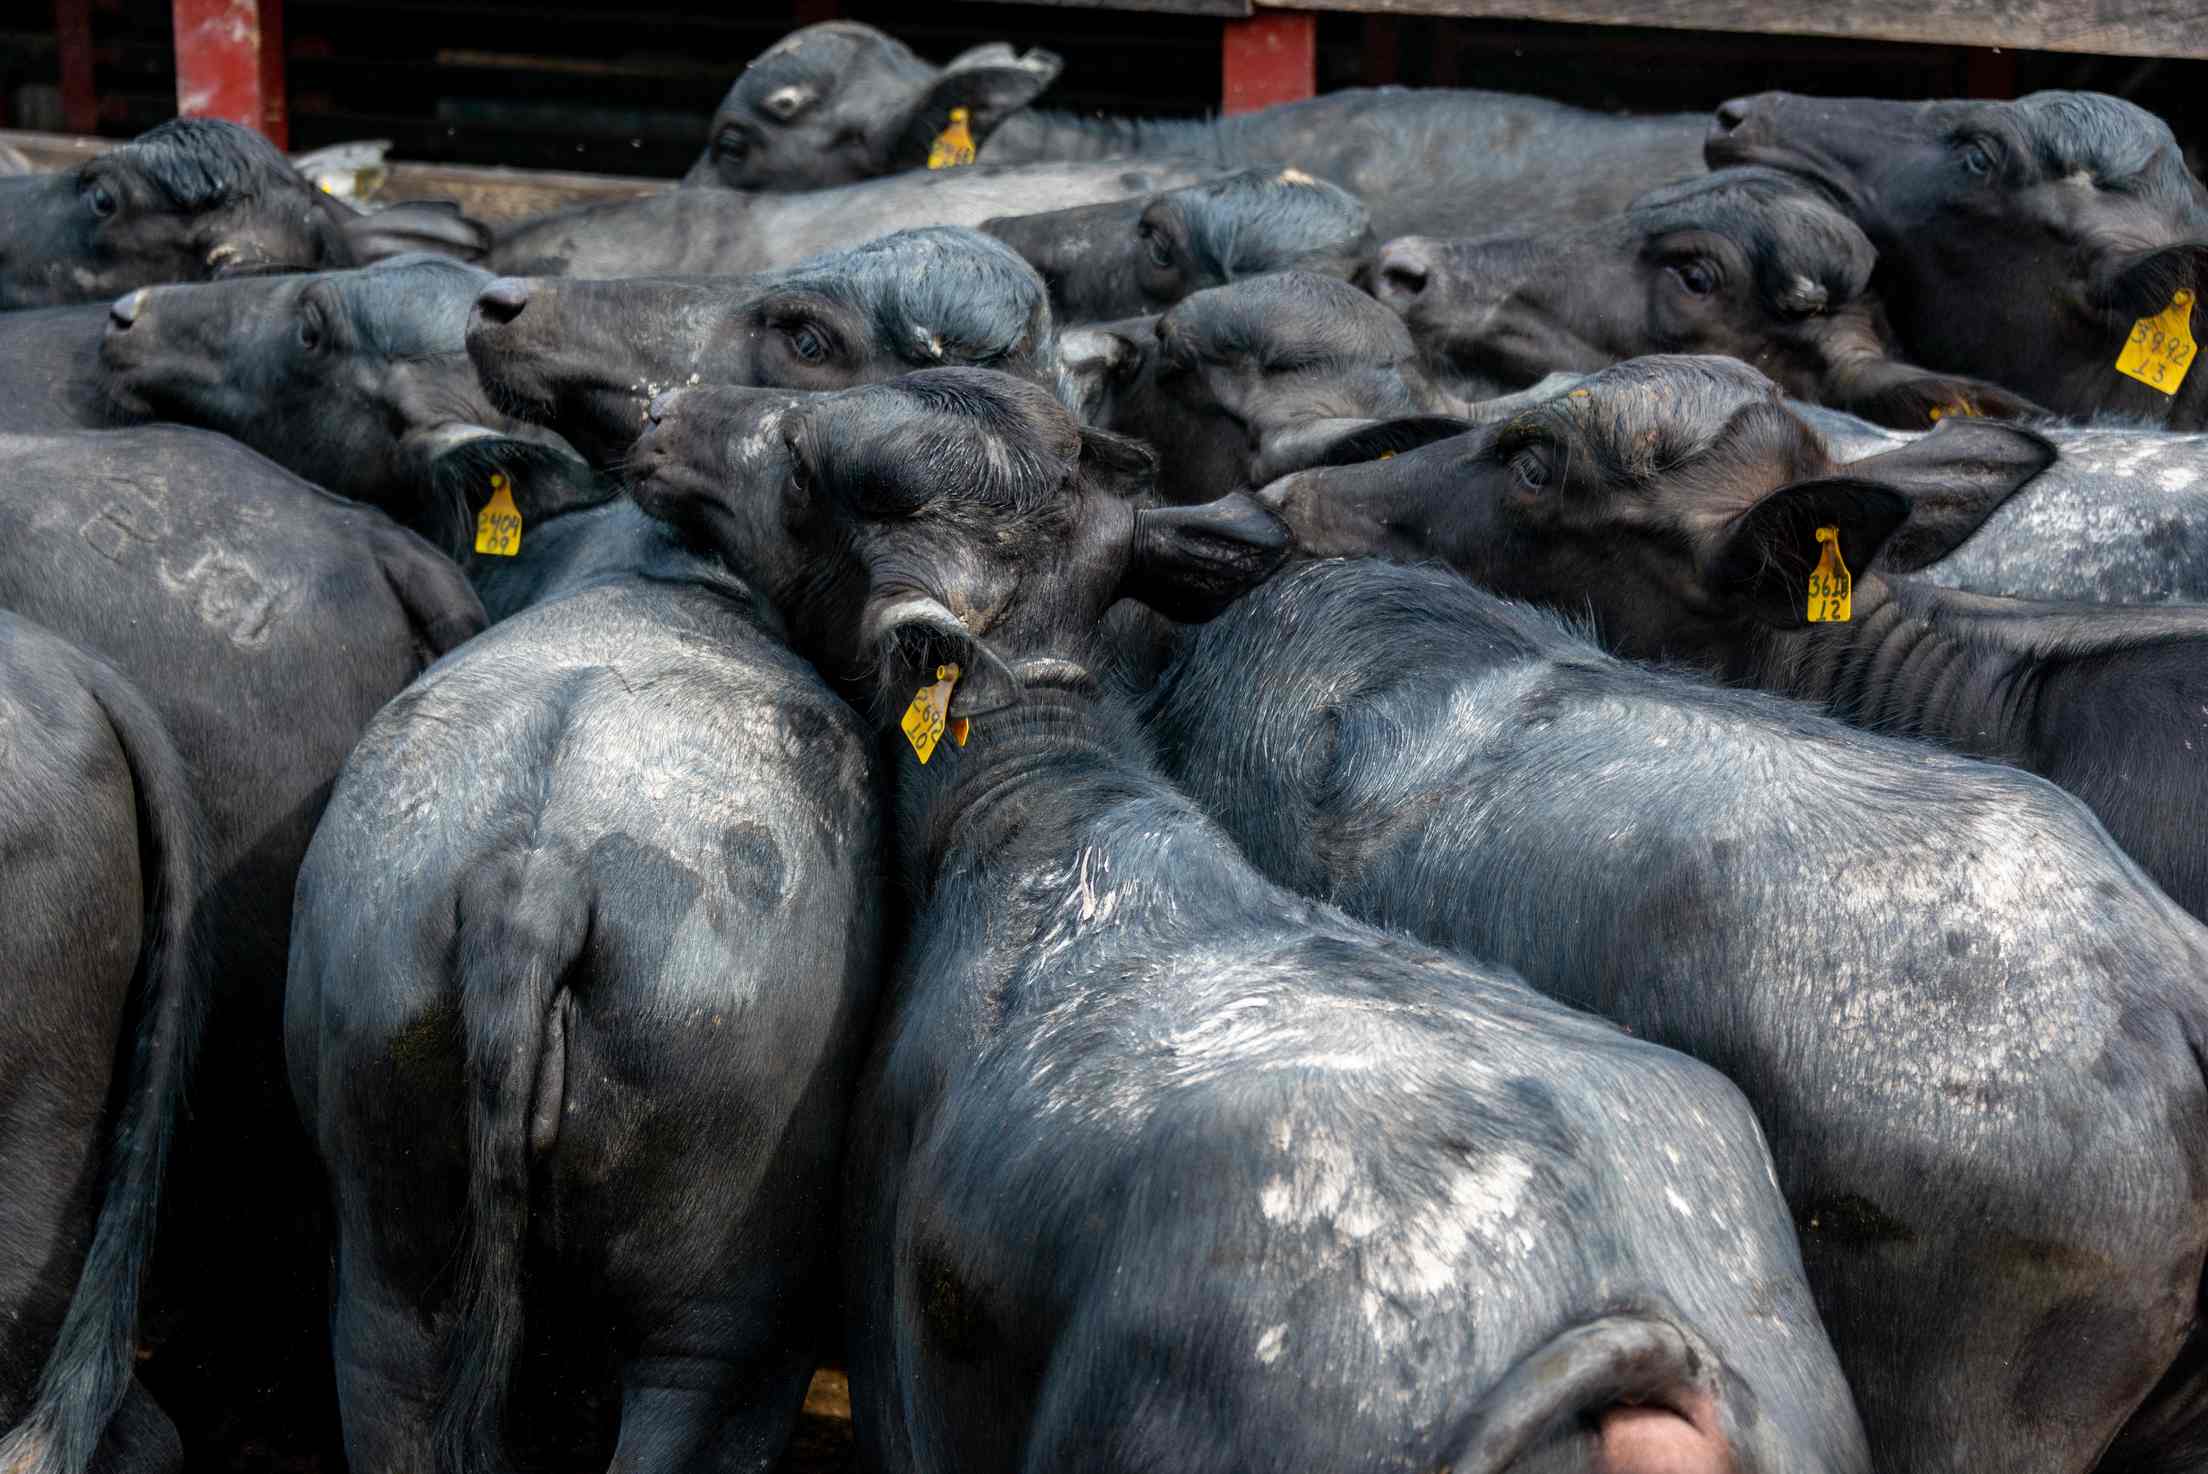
(928,718)
(498,529)
(2161,348)
(954,145)
(1831,589)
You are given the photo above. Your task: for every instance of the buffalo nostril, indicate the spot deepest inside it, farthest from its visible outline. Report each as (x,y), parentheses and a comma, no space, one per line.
(1731,114)
(662,405)
(1404,269)
(124,310)
(503,300)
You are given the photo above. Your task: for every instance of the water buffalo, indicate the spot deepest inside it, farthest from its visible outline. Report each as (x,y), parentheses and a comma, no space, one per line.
(586,357)
(1969,1026)
(1144,1137)
(1239,384)
(1686,512)
(2024,241)
(358,381)
(1129,257)
(718,232)
(838,102)
(193,199)
(266,622)
(1750,263)
(103,964)
(630,955)
(1428,160)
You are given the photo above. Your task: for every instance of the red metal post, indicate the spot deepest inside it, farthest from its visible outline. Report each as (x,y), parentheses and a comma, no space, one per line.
(80,105)
(1271,57)
(230,63)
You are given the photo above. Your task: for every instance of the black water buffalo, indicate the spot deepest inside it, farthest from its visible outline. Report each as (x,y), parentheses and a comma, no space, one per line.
(608,1009)
(1239,384)
(1968,1024)
(1678,504)
(1156,1165)
(2019,241)
(1129,257)
(587,357)
(1429,160)
(838,102)
(1750,263)
(103,963)
(192,199)
(718,232)
(265,621)
(358,380)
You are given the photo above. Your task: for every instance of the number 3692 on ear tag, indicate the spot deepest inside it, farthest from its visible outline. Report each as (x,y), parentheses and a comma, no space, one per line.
(928,717)
(2161,348)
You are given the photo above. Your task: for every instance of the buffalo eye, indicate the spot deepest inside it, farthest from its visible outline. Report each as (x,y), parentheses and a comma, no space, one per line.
(1697,276)
(100,200)
(1977,160)
(1530,467)
(310,328)
(807,343)
(730,145)
(801,474)
(1154,243)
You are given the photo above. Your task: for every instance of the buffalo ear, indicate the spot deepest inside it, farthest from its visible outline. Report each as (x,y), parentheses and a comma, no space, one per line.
(1953,480)
(1764,556)
(990,82)
(1902,396)
(544,478)
(2142,283)
(433,226)
(914,634)
(1189,563)
(1345,442)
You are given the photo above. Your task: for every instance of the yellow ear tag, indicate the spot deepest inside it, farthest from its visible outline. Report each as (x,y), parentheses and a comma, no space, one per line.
(927,718)
(2161,348)
(954,145)
(1831,590)
(498,529)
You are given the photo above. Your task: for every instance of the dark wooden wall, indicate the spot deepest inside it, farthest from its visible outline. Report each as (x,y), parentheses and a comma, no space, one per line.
(626,88)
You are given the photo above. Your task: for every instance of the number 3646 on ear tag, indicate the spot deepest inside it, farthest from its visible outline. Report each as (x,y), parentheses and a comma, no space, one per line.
(1831,588)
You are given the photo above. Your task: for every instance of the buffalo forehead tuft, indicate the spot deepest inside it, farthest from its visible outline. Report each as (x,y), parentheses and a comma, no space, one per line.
(202,162)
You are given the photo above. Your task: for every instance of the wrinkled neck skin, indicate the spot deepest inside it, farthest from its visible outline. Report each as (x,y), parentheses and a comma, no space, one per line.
(1014,802)
(1916,661)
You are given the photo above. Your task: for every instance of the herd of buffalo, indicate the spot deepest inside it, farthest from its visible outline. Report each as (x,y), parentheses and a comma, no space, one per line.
(1416,782)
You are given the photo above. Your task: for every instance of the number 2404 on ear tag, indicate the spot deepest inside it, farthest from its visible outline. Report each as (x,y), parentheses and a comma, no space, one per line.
(928,717)
(1831,589)
(498,529)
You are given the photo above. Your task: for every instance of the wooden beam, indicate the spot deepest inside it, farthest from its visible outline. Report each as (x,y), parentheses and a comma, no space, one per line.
(2170,28)
(230,63)
(80,104)
(1267,59)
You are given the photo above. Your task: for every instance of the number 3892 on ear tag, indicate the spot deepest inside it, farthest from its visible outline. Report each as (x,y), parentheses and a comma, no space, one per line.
(2161,348)
(928,717)
(1831,588)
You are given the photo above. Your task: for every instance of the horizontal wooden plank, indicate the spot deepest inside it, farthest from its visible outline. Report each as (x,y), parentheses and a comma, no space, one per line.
(2166,28)
(489,194)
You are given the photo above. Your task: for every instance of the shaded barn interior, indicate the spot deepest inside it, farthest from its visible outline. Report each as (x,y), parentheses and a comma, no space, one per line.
(590,86)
